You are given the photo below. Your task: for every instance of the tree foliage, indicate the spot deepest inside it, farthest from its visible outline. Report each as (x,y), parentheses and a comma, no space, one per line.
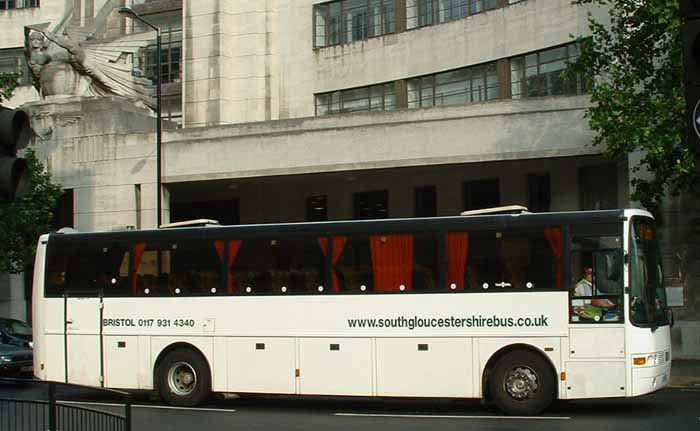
(637,94)
(8,83)
(25,219)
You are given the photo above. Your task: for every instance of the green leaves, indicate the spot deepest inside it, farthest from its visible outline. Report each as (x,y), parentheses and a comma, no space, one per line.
(638,95)
(25,219)
(8,83)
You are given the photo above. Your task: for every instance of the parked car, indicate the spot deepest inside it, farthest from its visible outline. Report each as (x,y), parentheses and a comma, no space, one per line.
(16,361)
(15,332)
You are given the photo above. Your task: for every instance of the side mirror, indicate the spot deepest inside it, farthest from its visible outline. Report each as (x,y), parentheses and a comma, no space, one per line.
(671,321)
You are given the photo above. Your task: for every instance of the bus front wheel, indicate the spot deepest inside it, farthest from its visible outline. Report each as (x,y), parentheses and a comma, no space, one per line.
(183,378)
(521,383)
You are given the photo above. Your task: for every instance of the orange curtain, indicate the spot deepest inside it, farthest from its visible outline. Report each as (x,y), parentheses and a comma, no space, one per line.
(392,262)
(338,248)
(139,249)
(553,235)
(234,247)
(457,255)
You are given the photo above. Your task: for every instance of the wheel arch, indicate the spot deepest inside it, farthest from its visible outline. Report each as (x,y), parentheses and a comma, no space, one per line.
(496,356)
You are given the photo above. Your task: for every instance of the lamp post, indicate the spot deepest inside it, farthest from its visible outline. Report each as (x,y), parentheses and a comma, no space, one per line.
(129,13)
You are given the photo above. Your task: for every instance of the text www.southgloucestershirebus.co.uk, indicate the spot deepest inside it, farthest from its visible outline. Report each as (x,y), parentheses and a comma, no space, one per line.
(412,323)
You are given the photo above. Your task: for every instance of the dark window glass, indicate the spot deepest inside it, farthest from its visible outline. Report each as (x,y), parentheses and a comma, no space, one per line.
(596,279)
(426,201)
(482,194)
(178,269)
(18,4)
(456,87)
(63,212)
(316,208)
(386,263)
(372,205)
(281,266)
(597,187)
(517,259)
(539,194)
(427,251)
(347,21)
(88,268)
(380,97)
(543,73)
(352,270)
(647,294)
(420,13)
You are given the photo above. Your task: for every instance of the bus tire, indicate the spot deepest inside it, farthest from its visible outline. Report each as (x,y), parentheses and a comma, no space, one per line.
(521,383)
(183,378)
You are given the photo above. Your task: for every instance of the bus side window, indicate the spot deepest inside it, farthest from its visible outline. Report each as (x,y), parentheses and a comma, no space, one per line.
(353,270)
(196,268)
(596,283)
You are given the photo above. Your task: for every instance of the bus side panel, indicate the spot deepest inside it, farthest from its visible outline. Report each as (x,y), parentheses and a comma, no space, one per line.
(262,364)
(54,354)
(320,358)
(548,346)
(424,367)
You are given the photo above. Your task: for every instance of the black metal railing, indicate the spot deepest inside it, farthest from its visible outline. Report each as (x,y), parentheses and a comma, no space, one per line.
(32,405)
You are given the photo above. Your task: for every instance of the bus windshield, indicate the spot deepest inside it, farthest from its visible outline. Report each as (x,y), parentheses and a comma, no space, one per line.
(648,298)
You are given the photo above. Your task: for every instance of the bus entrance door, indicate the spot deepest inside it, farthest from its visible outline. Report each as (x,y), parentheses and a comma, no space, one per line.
(83,338)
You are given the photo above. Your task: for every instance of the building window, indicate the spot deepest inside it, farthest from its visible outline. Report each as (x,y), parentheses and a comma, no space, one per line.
(543,73)
(426,202)
(598,187)
(481,194)
(170,24)
(171,111)
(62,215)
(421,13)
(18,4)
(371,205)
(456,87)
(13,61)
(380,97)
(347,21)
(539,192)
(316,208)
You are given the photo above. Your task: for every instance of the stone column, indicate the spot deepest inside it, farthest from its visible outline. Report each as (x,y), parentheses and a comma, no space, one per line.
(226,62)
(101,148)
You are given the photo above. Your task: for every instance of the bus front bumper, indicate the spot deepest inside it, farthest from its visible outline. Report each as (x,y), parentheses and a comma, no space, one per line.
(650,379)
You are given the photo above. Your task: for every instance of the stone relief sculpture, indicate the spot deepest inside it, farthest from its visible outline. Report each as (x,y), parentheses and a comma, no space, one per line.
(62,65)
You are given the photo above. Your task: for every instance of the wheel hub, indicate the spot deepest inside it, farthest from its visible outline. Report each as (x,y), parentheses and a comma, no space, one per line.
(521,383)
(182,378)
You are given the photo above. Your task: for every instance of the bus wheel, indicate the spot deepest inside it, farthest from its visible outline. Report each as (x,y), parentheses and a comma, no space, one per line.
(183,378)
(521,383)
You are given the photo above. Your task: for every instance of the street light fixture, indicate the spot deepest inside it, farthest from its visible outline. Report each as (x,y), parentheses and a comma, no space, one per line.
(129,13)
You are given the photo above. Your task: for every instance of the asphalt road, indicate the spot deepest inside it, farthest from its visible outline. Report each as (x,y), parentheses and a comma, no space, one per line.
(670,409)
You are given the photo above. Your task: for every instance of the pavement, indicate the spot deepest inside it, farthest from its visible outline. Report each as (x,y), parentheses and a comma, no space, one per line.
(685,373)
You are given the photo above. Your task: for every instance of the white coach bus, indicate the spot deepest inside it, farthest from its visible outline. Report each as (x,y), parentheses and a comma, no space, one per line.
(517,309)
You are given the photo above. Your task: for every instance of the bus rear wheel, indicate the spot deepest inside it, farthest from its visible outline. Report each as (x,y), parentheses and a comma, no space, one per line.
(521,383)
(183,378)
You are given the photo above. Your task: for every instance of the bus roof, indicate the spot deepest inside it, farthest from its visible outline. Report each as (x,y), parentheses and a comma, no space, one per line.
(476,222)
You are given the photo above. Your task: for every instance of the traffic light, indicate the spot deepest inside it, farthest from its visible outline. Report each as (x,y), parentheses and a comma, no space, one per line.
(15,133)
(690,36)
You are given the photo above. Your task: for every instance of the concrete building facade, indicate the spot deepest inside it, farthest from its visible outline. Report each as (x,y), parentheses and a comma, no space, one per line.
(293,110)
